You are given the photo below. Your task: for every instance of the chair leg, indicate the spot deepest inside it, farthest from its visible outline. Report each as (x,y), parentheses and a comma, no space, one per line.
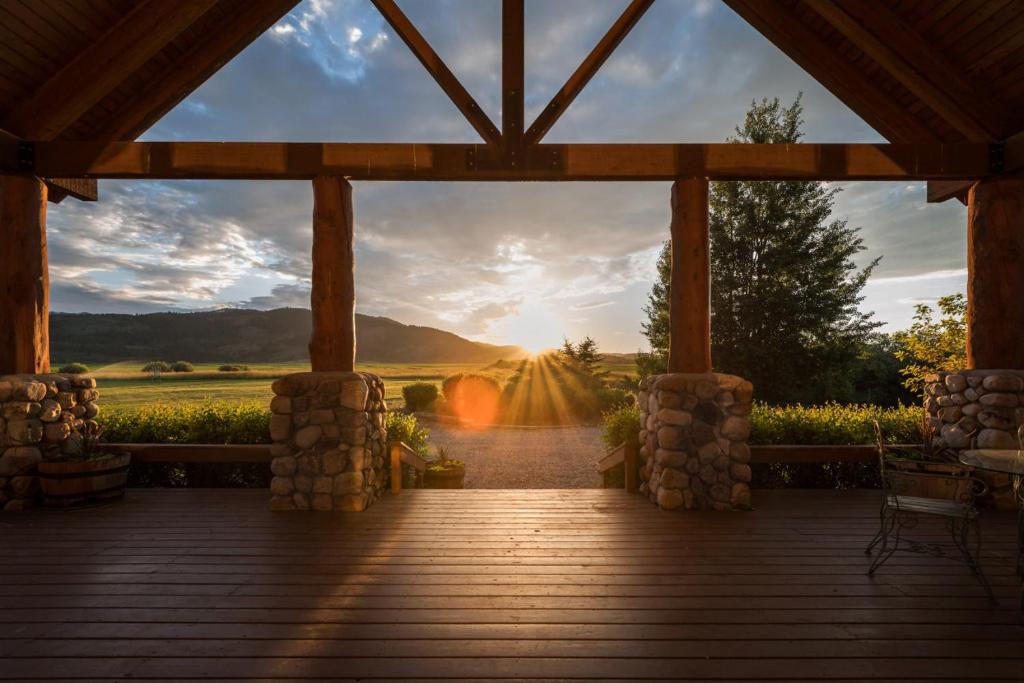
(886,552)
(881,532)
(961,532)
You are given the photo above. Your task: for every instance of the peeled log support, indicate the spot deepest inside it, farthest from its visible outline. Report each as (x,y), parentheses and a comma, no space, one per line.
(332,345)
(690,291)
(995,274)
(24,277)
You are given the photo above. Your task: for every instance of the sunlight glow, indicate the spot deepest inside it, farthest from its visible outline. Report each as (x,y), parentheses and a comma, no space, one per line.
(534,326)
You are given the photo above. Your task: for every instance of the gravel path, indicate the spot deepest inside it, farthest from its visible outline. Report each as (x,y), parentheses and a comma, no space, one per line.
(524,457)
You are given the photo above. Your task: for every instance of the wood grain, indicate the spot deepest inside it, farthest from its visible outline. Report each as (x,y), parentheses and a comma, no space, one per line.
(533,584)
(332,344)
(690,291)
(24,276)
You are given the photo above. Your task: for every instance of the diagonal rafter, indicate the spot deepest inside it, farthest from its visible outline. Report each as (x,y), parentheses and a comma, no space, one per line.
(907,57)
(586,71)
(103,66)
(779,24)
(513,26)
(463,101)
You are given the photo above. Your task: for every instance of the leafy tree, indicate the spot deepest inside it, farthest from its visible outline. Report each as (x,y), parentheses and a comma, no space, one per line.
(785,289)
(931,345)
(584,355)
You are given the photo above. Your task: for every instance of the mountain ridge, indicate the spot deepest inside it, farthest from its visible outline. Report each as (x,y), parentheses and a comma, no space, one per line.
(232,335)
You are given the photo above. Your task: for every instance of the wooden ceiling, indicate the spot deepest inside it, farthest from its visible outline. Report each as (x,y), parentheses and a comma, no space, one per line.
(918,71)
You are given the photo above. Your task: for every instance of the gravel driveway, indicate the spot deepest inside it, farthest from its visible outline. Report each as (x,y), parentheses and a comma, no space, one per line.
(523,457)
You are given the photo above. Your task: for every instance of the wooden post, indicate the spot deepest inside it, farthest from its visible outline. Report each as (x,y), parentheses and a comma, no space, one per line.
(690,291)
(995,274)
(396,468)
(629,466)
(24,277)
(332,346)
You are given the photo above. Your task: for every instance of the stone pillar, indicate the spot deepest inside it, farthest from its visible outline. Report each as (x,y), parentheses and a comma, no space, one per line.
(42,418)
(329,441)
(693,434)
(976,409)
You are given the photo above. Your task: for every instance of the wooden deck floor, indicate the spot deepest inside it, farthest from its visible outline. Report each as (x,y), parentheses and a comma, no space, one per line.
(581,584)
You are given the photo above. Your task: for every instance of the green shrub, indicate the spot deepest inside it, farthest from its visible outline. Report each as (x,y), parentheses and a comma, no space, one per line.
(210,422)
(156,366)
(73,369)
(231,368)
(419,396)
(182,366)
(833,424)
(451,382)
(405,428)
(621,425)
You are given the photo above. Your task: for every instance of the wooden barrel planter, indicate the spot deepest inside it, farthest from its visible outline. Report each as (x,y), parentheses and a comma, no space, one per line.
(84,482)
(448,478)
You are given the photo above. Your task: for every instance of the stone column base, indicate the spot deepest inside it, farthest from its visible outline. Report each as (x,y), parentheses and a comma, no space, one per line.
(329,441)
(977,409)
(693,435)
(42,418)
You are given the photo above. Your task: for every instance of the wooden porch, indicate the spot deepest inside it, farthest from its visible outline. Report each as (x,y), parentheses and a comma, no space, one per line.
(580,584)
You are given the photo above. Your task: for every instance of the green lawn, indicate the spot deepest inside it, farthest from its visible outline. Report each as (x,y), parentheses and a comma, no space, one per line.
(122,385)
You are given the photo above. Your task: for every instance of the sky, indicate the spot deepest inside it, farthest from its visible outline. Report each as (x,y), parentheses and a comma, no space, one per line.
(497,262)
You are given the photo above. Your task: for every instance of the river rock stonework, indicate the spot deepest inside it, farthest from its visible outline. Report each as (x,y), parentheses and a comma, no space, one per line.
(977,409)
(329,441)
(693,441)
(41,418)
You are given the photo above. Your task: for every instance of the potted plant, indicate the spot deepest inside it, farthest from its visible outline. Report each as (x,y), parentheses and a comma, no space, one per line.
(444,472)
(89,476)
(921,462)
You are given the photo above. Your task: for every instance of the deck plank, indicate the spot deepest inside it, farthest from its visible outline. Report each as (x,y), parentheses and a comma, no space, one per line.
(485,585)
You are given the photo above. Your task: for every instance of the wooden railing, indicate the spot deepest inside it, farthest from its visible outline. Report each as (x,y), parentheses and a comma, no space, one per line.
(256,453)
(403,455)
(626,455)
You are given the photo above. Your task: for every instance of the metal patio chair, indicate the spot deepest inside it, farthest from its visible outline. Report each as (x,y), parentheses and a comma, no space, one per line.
(910,490)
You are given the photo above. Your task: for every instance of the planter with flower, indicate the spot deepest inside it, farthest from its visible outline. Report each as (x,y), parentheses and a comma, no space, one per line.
(88,476)
(444,472)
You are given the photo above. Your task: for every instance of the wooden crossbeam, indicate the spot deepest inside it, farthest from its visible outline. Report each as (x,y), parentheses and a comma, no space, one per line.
(413,161)
(828,66)
(513,26)
(458,94)
(586,70)
(101,67)
(908,58)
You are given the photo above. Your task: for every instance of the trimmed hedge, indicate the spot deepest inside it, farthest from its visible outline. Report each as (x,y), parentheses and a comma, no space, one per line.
(419,396)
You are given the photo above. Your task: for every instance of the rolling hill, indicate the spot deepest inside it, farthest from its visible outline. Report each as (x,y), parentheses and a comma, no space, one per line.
(246,336)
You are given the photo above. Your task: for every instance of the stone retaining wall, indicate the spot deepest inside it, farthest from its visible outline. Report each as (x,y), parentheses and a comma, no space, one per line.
(329,441)
(975,408)
(42,417)
(693,435)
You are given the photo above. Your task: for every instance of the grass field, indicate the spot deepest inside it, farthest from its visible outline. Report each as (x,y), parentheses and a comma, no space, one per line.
(123,385)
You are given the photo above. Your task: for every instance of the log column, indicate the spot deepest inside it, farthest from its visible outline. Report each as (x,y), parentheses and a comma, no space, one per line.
(332,346)
(995,274)
(24,278)
(690,292)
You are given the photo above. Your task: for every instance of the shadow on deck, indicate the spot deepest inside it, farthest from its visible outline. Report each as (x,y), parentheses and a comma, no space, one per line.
(572,584)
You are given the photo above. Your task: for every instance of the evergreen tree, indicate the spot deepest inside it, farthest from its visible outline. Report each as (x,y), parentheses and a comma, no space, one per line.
(784,287)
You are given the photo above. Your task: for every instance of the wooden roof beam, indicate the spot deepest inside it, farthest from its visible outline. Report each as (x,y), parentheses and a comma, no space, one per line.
(100,68)
(513,79)
(907,57)
(444,77)
(85,189)
(586,70)
(826,65)
(410,161)
(247,22)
